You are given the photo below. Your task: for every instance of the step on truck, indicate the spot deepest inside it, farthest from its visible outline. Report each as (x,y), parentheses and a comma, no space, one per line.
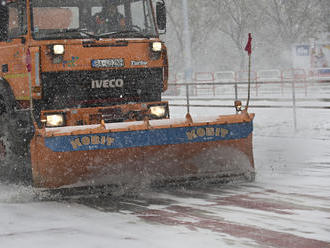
(80,100)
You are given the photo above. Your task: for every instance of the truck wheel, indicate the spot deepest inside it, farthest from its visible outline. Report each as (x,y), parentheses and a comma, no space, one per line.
(14,155)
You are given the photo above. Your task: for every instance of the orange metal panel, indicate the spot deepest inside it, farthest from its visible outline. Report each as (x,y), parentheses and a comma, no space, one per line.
(53,170)
(199,154)
(78,56)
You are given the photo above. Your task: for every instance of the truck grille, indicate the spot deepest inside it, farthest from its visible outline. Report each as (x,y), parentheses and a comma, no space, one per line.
(100,88)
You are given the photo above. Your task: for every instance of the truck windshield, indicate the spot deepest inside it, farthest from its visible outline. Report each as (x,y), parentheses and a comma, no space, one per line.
(78,19)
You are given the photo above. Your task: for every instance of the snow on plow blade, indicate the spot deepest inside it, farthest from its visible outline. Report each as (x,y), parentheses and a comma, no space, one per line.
(152,151)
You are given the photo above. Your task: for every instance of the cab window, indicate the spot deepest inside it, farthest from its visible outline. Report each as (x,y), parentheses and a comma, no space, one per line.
(141,15)
(52,18)
(17,19)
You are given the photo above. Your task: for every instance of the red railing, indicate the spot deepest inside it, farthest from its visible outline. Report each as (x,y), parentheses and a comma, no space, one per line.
(204,81)
(209,81)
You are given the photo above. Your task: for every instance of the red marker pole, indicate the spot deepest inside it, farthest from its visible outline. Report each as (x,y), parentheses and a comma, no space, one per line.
(248,48)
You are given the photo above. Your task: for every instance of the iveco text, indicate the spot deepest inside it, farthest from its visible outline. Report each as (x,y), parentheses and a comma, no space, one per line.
(113,83)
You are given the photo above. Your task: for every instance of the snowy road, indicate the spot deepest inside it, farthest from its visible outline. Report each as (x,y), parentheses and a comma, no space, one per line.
(287,206)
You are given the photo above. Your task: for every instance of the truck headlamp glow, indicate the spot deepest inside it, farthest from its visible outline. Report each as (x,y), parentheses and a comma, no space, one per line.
(58,49)
(158,111)
(157,46)
(54,120)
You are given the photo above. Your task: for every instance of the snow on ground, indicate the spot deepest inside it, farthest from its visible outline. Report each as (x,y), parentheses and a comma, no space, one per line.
(287,206)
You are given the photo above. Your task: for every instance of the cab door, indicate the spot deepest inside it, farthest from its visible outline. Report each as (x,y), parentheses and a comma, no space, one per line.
(13,31)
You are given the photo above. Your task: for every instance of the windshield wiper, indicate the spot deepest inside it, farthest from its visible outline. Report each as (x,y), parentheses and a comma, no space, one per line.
(128,33)
(68,31)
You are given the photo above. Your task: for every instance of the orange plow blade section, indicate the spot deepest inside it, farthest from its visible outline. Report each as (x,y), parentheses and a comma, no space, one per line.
(155,151)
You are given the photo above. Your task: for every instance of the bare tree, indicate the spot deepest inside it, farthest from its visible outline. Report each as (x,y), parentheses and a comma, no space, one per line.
(276,25)
(200,27)
(324,15)
(236,18)
(174,34)
(295,20)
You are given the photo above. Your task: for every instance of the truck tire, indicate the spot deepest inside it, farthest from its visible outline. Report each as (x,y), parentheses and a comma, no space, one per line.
(14,155)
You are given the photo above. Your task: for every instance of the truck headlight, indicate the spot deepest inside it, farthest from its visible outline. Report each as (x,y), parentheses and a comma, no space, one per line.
(156,46)
(55,120)
(158,111)
(58,49)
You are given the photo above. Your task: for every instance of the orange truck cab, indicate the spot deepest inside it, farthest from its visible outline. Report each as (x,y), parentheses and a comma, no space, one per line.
(75,63)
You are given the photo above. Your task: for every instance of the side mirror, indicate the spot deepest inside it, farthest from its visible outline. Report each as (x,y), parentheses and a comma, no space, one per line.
(161,16)
(4,22)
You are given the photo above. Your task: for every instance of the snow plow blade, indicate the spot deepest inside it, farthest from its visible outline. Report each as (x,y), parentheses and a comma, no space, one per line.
(152,151)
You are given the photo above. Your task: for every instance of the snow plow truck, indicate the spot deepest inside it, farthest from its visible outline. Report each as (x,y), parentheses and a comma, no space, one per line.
(81,85)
